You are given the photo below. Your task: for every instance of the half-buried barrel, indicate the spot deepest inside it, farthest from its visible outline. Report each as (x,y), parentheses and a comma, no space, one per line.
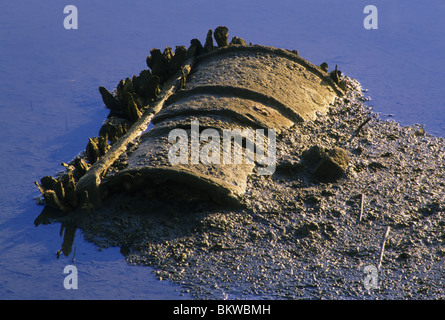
(244,88)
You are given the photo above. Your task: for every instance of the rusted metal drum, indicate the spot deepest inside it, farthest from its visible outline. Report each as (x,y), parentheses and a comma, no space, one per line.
(245,88)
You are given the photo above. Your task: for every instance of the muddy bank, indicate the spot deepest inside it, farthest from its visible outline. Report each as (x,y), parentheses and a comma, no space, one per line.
(299,237)
(306,232)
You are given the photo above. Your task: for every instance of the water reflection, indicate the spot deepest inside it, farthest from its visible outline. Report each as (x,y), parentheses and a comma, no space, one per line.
(67,228)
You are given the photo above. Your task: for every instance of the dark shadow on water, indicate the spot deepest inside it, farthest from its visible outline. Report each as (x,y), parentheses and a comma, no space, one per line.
(68,227)
(127,220)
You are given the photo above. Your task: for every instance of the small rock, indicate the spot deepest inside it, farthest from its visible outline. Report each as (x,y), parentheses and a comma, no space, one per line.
(119,92)
(208,45)
(109,100)
(324,67)
(70,190)
(420,132)
(92,150)
(154,61)
(127,87)
(102,144)
(140,82)
(133,111)
(81,167)
(329,164)
(333,165)
(160,63)
(178,59)
(59,190)
(146,86)
(51,200)
(221,35)
(114,128)
(167,55)
(195,49)
(48,182)
(237,41)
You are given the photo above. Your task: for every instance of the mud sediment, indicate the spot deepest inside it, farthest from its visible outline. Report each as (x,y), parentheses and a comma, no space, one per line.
(304,232)
(299,237)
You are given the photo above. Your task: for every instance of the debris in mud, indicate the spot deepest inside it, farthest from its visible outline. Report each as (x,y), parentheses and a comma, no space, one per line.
(295,91)
(297,236)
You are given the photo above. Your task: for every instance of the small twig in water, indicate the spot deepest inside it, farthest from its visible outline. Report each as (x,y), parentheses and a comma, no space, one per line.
(383,247)
(74,254)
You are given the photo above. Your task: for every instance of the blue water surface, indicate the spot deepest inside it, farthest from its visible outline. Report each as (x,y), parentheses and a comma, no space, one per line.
(50,104)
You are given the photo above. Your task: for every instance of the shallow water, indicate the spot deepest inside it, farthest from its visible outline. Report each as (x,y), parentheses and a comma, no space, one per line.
(50,105)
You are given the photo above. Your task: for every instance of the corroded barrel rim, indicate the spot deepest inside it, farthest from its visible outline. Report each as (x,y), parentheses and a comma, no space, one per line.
(276,51)
(218,190)
(240,92)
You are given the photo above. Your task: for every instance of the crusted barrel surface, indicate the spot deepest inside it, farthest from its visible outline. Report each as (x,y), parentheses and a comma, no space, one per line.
(232,88)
